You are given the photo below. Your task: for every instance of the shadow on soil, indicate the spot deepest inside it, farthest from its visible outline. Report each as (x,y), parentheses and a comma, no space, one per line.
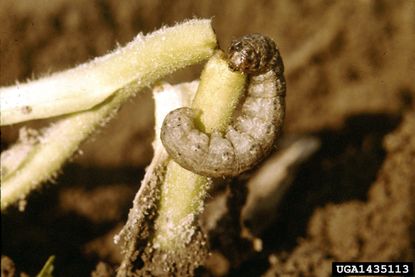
(44,229)
(343,170)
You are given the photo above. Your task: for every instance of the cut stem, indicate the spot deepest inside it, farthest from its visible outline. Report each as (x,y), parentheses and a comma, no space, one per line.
(167,50)
(139,63)
(183,192)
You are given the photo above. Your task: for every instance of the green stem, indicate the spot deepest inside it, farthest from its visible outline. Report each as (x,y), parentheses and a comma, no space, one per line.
(183,192)
(139,63)
(165,51)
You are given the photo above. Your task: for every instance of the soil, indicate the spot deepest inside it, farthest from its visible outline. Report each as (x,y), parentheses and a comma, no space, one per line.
(349,70)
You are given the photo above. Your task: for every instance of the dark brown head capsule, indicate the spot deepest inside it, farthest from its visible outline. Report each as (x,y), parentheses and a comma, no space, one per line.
(254,54)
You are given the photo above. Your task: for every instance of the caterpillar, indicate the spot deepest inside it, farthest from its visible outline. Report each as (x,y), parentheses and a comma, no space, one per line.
(251,136)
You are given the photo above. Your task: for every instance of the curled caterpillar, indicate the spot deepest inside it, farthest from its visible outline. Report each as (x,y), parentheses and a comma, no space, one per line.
(252,134)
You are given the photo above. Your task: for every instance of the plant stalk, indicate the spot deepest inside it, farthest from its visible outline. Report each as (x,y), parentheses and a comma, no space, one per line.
(183,192)
(161,53)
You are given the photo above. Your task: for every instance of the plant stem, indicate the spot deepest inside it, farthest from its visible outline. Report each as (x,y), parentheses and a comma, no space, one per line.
(183,192)
(168,49)
(145,205)
(138,64)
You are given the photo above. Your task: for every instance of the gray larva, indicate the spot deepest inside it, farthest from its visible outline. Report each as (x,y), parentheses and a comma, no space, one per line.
(251,136)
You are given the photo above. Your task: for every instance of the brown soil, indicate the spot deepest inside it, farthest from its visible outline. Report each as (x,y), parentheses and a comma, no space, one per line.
(350,77)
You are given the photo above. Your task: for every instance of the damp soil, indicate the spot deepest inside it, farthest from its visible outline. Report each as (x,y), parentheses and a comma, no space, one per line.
(349,70)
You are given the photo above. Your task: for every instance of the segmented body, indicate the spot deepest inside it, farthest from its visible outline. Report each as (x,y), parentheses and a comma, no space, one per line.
(253,133)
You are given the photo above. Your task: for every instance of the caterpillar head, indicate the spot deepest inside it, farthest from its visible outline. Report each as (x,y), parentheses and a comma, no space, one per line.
(253,54)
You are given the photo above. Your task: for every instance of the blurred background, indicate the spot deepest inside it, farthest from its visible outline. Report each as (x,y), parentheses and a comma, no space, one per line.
(350,68)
